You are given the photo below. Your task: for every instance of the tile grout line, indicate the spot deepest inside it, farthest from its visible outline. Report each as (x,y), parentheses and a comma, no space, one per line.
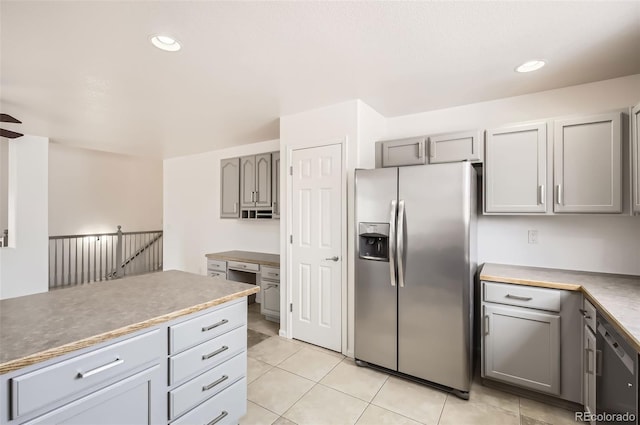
(442,410)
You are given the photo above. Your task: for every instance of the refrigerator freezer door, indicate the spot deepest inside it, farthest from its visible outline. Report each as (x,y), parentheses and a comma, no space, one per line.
(434,304)
(375,296)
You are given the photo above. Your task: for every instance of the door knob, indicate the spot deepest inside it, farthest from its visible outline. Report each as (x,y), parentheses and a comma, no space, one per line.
(334,258)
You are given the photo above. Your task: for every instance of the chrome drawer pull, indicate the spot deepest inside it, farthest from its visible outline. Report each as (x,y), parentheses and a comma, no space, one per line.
(518,297)
(215,325)
(214,383)
(215,353)
(219,418)
(118,361)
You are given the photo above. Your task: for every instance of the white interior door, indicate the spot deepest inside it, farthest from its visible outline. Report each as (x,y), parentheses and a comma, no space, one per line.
(316,252)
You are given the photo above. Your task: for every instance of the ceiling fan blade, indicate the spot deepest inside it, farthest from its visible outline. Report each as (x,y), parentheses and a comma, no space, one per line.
(9,134)
(9,118)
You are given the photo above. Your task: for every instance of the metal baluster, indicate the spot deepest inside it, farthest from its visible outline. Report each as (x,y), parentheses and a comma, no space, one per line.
(69,260)
(95,258)
(82,259)
(75,278)
(101,242)
(55,262)
(62,263)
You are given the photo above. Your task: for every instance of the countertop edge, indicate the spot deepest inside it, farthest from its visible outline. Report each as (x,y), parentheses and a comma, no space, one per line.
(570,287)
(32,359)
(223,257)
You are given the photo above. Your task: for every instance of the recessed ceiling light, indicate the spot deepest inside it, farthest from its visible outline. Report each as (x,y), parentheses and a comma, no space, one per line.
(165,42)
(530,66)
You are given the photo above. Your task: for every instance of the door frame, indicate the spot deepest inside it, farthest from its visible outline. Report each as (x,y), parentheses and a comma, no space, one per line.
(287,294)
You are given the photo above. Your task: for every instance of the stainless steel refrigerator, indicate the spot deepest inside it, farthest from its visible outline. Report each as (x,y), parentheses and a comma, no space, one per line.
(415,265)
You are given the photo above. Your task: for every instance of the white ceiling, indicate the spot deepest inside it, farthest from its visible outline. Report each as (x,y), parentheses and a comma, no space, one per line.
(84,73)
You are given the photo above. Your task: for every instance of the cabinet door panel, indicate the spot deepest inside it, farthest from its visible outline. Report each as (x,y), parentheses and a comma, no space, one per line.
(409,151)
(588,164)
(522,347)
(230,188)
(270,298)
(247,181)
(275,183)
(455,147)
(635,137)
(589,381)
(263,180)
(515,169)
(130,401)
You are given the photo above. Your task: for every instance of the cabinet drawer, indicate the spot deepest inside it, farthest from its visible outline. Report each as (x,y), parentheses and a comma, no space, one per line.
(224,408)
(523,296)
(237,265)
(202,328)
(216,265)
(207,354)
(270,273)
(206,385)
(62,380)
(218,275)
(589,313)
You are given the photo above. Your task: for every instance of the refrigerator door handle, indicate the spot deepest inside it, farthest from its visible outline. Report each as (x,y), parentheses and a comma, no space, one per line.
(400,242)
(392,242)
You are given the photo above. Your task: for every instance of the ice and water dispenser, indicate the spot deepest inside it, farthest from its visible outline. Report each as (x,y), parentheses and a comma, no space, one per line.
(374,241)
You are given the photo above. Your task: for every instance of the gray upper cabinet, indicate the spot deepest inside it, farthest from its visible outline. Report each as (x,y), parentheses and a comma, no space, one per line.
(635,134)
(515,169)
(275,183)
(230,188)
(587,157)
(255,181)
(263,180)
(395,153)
(247,181)
(455,147)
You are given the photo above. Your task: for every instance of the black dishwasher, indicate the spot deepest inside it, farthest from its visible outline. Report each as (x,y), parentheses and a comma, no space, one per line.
(616,377)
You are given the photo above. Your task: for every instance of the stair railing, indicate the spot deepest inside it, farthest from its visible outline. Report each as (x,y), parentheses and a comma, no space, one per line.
(79,259)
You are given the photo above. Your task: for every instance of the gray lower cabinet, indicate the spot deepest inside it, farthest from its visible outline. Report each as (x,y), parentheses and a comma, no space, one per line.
(395,153)
(522,347)
(515,169)
(164,373)
(455,147)
(230,188)
(635,158)
(270,289)
(587,164)
(531,338)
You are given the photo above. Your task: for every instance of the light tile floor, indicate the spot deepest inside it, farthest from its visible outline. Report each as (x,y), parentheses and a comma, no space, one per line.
(291,382)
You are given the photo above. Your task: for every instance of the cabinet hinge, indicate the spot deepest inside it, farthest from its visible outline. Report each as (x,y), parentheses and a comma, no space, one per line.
(290,238)
(291,171)
(291,307)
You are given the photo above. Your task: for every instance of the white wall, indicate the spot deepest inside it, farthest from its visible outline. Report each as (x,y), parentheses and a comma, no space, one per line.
(191,204)
(591,242)
(92,192)
(24,264)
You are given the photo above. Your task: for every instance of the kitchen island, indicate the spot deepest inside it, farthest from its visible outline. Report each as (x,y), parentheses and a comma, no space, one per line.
(118,348)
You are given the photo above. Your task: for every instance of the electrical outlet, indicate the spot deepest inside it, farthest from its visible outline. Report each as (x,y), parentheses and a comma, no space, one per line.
(533,236)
